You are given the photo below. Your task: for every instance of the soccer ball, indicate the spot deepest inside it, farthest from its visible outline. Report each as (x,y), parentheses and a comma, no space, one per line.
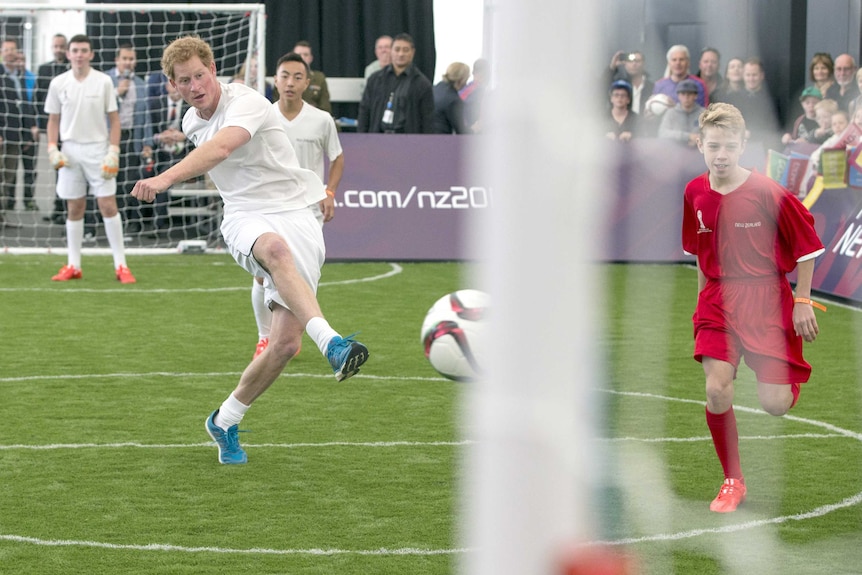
(658,104)
(452,334)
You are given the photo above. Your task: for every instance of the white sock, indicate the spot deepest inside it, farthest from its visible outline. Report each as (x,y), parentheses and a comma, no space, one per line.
(74,241)
(321,332)
(114,231)
(262,314)
(230,413)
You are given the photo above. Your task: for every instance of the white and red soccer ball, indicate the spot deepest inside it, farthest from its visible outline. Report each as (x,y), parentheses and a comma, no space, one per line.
(658,104)
(453,333)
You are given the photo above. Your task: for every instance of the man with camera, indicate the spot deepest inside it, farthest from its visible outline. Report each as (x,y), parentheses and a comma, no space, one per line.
(136,134)
(630,67)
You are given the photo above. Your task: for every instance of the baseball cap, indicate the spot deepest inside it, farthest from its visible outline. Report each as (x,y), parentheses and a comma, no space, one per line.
(810,91)
(621,85)
(687,86)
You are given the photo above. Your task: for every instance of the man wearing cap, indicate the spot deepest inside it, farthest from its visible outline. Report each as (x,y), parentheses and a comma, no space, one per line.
(681,123)
(806,125)
(623,122)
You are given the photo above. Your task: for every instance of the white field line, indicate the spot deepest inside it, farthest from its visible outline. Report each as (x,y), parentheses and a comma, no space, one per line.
(153,374)
(135,444)
(814,513)
(394,269)
(250,551)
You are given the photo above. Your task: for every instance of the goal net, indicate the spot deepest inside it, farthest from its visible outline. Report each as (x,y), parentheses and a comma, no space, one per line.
(31,217)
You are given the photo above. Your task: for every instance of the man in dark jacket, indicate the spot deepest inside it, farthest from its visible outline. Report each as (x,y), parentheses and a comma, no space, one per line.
(398,99)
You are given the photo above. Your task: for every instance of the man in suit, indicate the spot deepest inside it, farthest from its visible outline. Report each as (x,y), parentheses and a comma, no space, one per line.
(44,75)
(171,146)
(136,133)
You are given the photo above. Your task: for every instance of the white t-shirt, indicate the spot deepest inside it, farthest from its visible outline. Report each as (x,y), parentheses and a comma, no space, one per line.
(312,132)
(82,105)
(263,175)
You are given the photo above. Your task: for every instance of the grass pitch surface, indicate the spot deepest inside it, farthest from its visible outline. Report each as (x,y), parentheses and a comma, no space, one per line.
(105,466)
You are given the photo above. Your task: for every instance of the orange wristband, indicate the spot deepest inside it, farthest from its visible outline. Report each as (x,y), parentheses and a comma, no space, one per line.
(330,193)
(819,306)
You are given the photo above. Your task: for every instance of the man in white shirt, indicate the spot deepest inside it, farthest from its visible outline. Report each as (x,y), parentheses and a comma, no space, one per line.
(312,133)
(382,48)
(77,103)
(269,226)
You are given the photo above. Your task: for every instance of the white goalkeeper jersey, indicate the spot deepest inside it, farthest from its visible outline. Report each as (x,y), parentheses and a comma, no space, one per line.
(263,175)
(82,105)
(312,133)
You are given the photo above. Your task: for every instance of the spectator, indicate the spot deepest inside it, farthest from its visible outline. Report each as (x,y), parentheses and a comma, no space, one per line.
(732,83)
(249,68)
(678,64)
(47,72)
(398,99)
(78,102)
(448,105)
(27,136)
(136,133)
(757,106)
(317,93)
(840,138)
(708,71)
(821,72)
(622,122)
(382,48)
(856,103)
(630,67)
(19,119)
(473,94)
(171,146)
(845,89)
(805,125)
(824,110)
(839,121)
(681,123)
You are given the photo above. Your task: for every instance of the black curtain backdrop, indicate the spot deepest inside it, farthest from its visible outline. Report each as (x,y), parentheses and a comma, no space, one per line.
(341,32)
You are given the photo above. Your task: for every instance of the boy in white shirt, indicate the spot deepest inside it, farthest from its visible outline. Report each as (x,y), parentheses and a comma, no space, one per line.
(78,101)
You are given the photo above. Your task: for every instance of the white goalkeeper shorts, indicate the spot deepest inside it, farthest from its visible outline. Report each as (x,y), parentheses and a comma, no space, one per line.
(84,171)
(299,228)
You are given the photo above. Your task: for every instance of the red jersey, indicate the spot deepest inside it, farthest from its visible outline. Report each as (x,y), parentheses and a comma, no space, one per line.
(758,230)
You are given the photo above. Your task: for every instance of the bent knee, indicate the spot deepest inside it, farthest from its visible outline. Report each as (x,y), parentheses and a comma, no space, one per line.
(285,349)
(776,409)
(775,399)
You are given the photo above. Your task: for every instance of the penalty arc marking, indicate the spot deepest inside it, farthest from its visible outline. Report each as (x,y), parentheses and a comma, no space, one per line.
(733,528)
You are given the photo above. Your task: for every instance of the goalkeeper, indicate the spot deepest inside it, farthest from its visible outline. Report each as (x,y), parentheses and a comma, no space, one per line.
(269,226)
(77,103)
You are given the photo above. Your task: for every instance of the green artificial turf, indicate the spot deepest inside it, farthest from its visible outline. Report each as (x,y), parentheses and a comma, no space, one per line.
(105,466)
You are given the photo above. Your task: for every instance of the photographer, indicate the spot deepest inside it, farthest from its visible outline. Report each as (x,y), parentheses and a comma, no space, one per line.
(630,67)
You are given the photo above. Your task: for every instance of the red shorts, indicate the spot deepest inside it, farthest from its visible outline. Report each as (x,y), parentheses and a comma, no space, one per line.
(751,319)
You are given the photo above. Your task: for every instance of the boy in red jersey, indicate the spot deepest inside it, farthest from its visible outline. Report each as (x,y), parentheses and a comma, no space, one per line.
(747,233)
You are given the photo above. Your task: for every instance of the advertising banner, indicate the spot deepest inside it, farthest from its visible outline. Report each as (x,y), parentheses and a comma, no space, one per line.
(404,197)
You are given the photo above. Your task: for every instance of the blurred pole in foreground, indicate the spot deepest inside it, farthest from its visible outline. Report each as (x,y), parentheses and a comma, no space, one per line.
(533,475)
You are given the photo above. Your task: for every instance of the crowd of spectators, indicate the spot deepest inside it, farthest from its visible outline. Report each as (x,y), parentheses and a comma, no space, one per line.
(668,106)
(397,98)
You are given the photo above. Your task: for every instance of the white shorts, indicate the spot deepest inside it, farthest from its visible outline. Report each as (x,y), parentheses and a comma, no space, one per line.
(84,169)
(299,228)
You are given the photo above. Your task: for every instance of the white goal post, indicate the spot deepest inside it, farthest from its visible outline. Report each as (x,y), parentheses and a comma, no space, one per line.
(29,222)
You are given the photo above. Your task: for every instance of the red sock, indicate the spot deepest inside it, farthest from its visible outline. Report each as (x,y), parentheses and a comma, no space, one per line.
(725,437)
